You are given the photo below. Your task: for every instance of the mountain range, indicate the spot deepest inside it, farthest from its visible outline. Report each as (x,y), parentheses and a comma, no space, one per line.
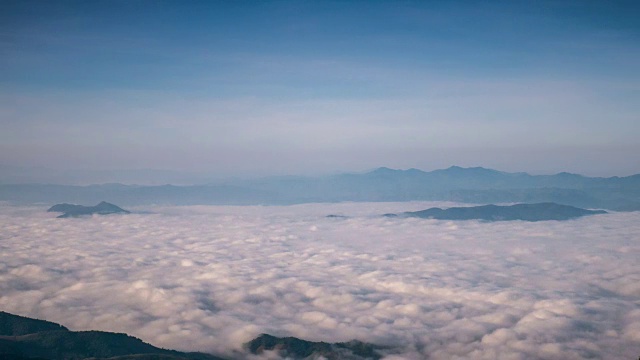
(467,185)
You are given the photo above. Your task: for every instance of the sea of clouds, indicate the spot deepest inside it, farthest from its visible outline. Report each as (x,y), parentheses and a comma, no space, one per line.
(210,278)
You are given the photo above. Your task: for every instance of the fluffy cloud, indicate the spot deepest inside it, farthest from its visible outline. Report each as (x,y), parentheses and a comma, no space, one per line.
(210,278)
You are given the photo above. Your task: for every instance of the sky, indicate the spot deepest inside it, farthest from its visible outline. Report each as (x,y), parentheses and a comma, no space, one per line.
(249,88)
(210,278)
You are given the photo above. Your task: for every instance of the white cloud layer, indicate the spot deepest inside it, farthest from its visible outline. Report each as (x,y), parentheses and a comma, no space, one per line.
(209,278)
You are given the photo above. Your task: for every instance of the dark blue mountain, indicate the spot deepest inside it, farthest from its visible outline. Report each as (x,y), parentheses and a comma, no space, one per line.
(70,210)
(526,212)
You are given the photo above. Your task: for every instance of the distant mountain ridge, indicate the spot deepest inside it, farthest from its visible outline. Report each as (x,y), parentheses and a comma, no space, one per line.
(468,185)
(526,212)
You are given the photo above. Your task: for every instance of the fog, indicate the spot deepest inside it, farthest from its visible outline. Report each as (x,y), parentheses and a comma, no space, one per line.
(209,278)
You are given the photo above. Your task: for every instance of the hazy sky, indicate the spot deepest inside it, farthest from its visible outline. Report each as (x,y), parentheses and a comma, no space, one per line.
(308,87)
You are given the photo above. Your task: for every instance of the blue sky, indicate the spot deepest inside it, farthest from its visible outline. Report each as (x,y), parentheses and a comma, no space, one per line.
(312,87)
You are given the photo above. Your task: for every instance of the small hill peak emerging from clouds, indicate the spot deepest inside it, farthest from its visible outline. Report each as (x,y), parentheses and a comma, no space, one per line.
(525,212)
(294,348)
(71,210)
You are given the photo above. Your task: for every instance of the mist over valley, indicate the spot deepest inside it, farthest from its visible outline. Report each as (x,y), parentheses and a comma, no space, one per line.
(212,278)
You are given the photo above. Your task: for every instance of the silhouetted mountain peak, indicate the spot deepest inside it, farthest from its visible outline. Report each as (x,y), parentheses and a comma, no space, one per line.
(105,207)
(565,174)
(468,171)
(383,171)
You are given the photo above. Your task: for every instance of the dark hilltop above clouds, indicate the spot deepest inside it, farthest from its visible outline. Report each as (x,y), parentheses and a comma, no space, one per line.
(25,338)
(15,325)
(526,212)
(468,185)
(294,348)
(71,210)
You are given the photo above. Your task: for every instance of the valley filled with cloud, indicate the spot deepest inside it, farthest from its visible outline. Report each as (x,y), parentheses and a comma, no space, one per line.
(210,278)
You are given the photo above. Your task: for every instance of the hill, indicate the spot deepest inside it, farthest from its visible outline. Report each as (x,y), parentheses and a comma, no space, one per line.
(25,338)
(526,212)
(15,325)
(294,348)
(70,210)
